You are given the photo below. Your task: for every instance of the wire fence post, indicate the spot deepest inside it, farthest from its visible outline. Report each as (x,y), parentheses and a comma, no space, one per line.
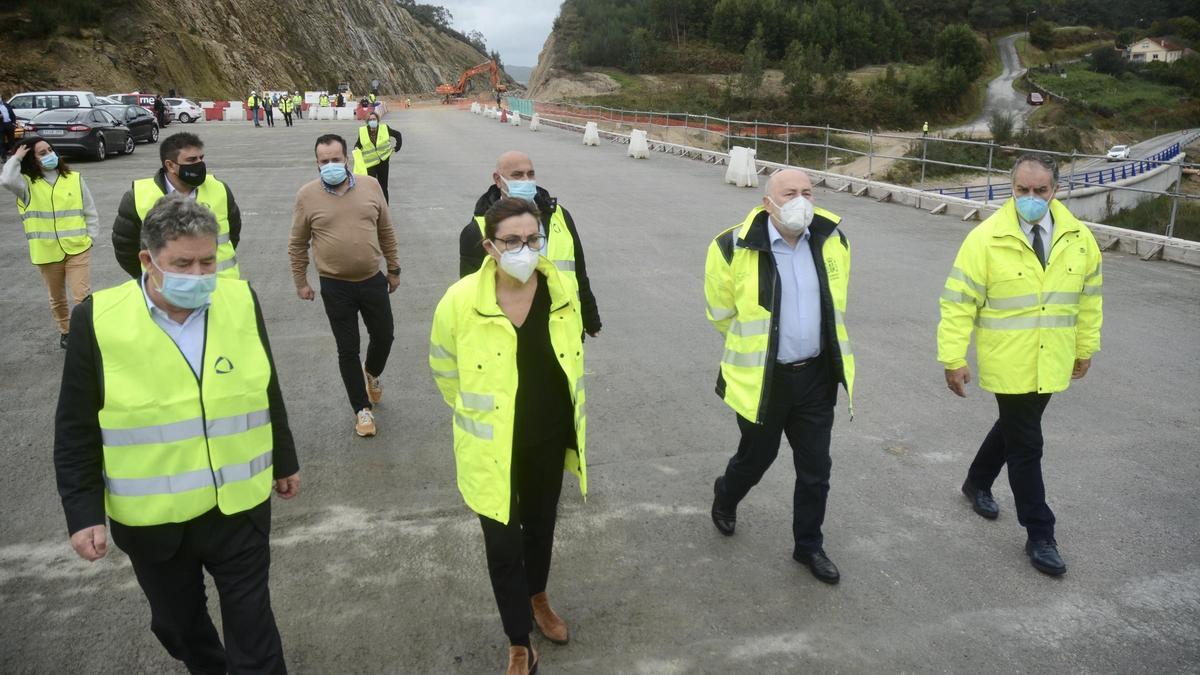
(827,147)
(924,148)
(787,144)
(991,150)
(870,154)
(1175,201)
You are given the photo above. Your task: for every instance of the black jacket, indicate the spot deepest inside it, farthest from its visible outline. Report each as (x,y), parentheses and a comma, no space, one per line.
(78,455)
(471,253)
(392,132)
(127,227)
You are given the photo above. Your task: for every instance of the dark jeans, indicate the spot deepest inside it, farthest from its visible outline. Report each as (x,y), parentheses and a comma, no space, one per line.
(801,406)
(7,138)
(238,557)
(287,119)
(269,113)
(344,301)
(1016,440)
(518,554)
(380,173)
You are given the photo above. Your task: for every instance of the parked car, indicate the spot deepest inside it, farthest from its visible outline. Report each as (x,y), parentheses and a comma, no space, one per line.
(144,100)
(140,122)
(184,110)
(104,100)
(1035,98)
(28,104)
(1118,153)
(90,132)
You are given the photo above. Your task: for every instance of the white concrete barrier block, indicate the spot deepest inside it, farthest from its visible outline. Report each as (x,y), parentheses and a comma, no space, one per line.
(207,104)
(591,134)
(535,122)
(639,146)
(475,107)
(236,105)
(346,113)
(742,170)
(515,119)
(232,114)
(326,113)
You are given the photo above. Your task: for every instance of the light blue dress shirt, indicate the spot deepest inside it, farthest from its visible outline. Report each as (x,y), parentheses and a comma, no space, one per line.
(188,336)
(800,301)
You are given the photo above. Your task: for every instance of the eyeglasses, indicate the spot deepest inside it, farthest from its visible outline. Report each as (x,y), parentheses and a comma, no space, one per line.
(535,242)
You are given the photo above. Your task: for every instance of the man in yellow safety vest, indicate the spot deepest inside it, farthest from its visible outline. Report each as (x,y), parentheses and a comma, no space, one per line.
(375,143)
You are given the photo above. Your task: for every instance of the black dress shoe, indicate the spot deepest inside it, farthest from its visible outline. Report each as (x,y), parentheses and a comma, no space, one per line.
(819,564)
(724,518)
(981,501)
(1043,554)
(62,341)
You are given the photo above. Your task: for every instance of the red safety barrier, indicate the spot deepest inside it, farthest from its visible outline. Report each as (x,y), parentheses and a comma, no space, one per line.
(217,112)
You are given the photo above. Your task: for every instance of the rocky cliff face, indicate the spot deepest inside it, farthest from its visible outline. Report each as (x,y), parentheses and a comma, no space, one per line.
(543,71)
(224,48)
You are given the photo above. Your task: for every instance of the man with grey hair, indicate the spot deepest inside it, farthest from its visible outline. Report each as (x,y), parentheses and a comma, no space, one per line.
(170,422)
(776,290)
(1029,279)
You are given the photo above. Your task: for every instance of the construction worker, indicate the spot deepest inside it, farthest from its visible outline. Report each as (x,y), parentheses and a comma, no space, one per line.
(776,288)
(324,100)
(269,103)
(298,100)
(253,103)
(183,472)
(371,100)
(514,177)
(375,142)
(1029,279)
(925,129)
(408,102)
(285,106)
(519,421)
(60,222)
(184,171)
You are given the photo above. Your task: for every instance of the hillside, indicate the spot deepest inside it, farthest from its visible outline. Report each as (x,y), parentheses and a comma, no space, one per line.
(223,48)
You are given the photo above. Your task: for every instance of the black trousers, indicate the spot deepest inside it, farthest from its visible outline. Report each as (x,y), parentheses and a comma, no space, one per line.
(380,173)
(344,301)
(7,138)
(518,554)
(801,405)
(269,112)
(237,555)
(1016,440)
(287,119)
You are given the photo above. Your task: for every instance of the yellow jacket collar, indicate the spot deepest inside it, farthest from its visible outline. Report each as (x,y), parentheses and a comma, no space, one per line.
(485,295)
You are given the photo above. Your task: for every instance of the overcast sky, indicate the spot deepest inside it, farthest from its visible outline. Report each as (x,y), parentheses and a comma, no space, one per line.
(515,28)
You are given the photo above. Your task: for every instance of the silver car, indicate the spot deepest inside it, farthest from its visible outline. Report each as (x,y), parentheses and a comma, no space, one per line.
(185,110)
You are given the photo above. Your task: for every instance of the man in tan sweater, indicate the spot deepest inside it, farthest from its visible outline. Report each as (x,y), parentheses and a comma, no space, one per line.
(345,220)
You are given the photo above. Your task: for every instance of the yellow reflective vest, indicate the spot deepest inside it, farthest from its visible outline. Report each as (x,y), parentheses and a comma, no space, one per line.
(285,104)
(324,101)
(360,164)
(741,288)
(560,245)
(473,355)
(177,444)
(211,193)
(374,154)
(252,102)
(53,218)
(1032,322)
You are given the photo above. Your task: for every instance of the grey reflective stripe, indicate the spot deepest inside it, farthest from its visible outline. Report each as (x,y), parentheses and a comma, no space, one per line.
(565,265)
(483,402)
(236,424)
(159,485)
(477,429)
(579,422)
(979,288)
(226,264)
(959,297)
(844,346)
(720,313)
(1091,290)
(446,373)
(439,352)
(41,235)
(1093,275)
(162,433)
(1025,322)
(750,328)
(223,238)
(72,233)
(1015,302)
(52,214)
(744,360)
(1060,298)
(839,317)
(233,473)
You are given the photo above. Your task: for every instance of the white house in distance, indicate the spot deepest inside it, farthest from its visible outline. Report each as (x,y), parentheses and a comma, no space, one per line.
(1152,49)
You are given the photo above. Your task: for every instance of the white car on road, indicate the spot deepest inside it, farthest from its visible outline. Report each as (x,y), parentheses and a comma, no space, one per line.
(1118,153)
(28,104)
(185,110)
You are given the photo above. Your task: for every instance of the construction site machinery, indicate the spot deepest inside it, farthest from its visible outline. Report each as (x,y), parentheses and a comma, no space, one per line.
(447,91)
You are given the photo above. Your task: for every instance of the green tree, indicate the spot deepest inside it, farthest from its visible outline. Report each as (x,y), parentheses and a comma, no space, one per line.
(754,63)
(956,45)
(988,15)
(1041,34)
(1107,60)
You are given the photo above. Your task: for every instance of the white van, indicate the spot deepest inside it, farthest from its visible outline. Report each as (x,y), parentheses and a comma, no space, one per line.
(29,103)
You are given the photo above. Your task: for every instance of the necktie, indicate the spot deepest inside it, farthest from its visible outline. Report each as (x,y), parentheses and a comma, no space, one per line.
(1038,246)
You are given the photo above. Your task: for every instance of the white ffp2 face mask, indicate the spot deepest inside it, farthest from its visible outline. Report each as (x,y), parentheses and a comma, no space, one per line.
(519,265)
(796,215)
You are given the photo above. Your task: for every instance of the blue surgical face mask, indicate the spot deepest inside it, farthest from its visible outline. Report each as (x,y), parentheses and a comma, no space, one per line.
(1032,209)
(521,189)
(186,291)
(333,173)
(373,123)
(49,160)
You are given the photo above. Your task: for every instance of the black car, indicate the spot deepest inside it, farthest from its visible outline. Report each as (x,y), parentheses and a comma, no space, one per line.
(141,123)
(90,132)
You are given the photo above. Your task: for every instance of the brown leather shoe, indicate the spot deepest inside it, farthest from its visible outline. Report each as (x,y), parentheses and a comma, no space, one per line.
(519,661)
(550,623)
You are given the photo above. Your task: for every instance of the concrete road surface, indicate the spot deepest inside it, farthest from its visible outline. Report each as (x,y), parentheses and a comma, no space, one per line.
(1001,96)
(378,566)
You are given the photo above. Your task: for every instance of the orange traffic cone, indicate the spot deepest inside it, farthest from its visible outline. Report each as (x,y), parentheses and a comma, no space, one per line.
(503,116)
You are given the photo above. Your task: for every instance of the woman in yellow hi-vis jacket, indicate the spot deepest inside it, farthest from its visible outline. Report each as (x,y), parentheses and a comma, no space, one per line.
(60,221)
(514,321)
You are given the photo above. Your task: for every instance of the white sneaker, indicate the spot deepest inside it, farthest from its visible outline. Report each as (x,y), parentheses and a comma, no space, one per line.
(364,424)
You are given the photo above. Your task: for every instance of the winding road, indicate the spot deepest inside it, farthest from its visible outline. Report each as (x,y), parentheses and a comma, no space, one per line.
(1001,95)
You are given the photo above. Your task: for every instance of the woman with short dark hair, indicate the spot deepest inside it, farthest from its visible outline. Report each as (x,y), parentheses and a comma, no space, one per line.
(60,222)
(506,351)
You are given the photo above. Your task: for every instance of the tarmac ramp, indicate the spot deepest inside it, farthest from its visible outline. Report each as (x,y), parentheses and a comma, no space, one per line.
(378,566)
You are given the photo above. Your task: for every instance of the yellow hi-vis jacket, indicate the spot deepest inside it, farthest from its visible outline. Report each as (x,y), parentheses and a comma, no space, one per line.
(742,290)
(560,245)
(374,154)
(176,445)
(1032,323)
(211,193)
(360,164)
(53,218)
(473,355)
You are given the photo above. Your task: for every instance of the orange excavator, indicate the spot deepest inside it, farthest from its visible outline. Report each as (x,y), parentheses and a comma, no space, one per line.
(446,91)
